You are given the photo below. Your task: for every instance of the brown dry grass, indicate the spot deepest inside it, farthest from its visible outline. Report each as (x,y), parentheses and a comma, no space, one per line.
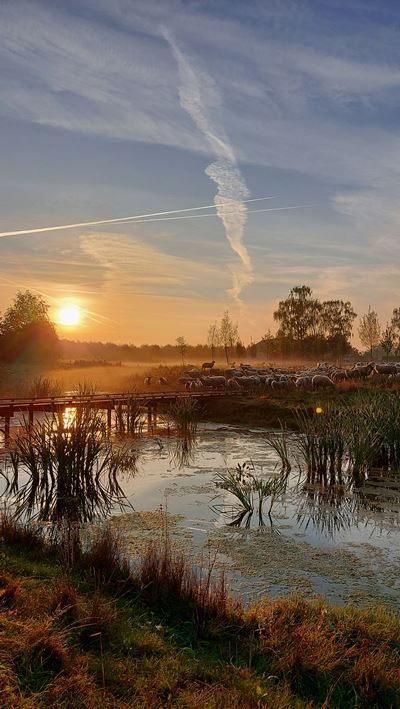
(174,638)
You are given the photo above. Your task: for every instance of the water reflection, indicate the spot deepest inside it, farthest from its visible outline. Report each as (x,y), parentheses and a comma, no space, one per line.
(329,510)
(183,451)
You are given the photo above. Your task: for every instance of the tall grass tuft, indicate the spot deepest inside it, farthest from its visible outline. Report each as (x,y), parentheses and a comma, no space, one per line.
(250,492)
(169,580)
(106,561)
(18,534)
(279,442)
(44,388)
(184,414)
(355,438)
(72,475)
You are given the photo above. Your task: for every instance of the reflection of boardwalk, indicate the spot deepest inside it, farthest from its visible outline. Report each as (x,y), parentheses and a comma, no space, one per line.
(9,408)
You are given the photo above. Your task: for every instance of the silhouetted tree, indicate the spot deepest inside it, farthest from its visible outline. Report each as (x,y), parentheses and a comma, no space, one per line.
(229,334)
(369,329)
(298,315)
(387,340)
(26,330)
(213,338)
(337,318)
(182,346)
(395,323)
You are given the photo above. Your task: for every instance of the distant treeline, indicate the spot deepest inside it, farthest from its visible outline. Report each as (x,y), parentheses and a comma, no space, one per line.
(307,328)
(111,352)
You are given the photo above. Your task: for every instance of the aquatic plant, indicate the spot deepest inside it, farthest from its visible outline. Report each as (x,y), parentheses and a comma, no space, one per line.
(183,451)
(184,413)
(72,475)
(356,437)
(250,492)
(279,443)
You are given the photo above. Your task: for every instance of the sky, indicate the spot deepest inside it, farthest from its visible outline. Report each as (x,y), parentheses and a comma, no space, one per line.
(131,107)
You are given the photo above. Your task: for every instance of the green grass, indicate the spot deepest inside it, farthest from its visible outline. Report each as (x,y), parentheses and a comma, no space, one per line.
(164,637)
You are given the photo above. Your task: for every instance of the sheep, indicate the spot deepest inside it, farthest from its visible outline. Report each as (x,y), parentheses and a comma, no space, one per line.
(281,384)
(207,365)
(360,371)
(163,380)
(339,375)
(322,380)
(303,382)
(214,382)
(386,368)
(147,381)
(233,384)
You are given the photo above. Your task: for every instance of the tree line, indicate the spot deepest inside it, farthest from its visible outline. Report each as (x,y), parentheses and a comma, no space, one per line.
(307,327)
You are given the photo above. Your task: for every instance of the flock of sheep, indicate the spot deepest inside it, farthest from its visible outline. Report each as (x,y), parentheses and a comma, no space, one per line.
(246,377)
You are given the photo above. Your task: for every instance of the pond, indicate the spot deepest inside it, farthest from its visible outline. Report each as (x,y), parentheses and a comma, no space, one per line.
(344,546)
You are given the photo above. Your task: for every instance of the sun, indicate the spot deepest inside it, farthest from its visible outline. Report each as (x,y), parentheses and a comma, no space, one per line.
(69,315)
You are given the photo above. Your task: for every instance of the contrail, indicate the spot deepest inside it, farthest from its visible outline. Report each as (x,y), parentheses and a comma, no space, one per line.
(231,187)
(202,216)
(39,230)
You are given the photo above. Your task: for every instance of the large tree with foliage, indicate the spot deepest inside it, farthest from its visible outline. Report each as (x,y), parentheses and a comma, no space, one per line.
(298,315)
(26,330)
(387,340)
(336,320)
(369,330)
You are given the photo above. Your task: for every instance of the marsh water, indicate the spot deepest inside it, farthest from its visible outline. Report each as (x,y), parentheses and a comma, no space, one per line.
(344,546)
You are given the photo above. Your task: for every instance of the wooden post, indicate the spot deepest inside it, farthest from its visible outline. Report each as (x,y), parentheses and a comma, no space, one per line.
(155,414)
(149,421)
(7,421)
(30,417)
(109,419)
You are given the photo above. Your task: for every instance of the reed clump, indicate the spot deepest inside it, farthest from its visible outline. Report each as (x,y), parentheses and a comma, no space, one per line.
(71,470)
(342,443)
(44,388)
(250,492)
(184,413)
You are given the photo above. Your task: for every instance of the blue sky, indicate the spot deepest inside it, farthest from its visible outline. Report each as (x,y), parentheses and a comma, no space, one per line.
(120,108)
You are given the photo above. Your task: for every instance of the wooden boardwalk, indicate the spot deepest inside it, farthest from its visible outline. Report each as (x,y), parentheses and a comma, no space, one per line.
(29,407)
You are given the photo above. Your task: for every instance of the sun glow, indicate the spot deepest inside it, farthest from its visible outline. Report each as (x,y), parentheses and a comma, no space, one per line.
(69,315)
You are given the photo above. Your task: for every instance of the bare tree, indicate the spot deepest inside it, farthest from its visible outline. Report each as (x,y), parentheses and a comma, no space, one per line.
(182,346)
(213,338)
(369,329)
(229,334)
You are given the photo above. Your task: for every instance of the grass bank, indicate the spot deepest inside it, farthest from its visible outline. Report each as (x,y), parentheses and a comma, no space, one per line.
(269,410)
(165,637)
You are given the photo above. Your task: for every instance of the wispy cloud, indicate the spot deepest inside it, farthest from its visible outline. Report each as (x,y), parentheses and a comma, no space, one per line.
(197,92)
